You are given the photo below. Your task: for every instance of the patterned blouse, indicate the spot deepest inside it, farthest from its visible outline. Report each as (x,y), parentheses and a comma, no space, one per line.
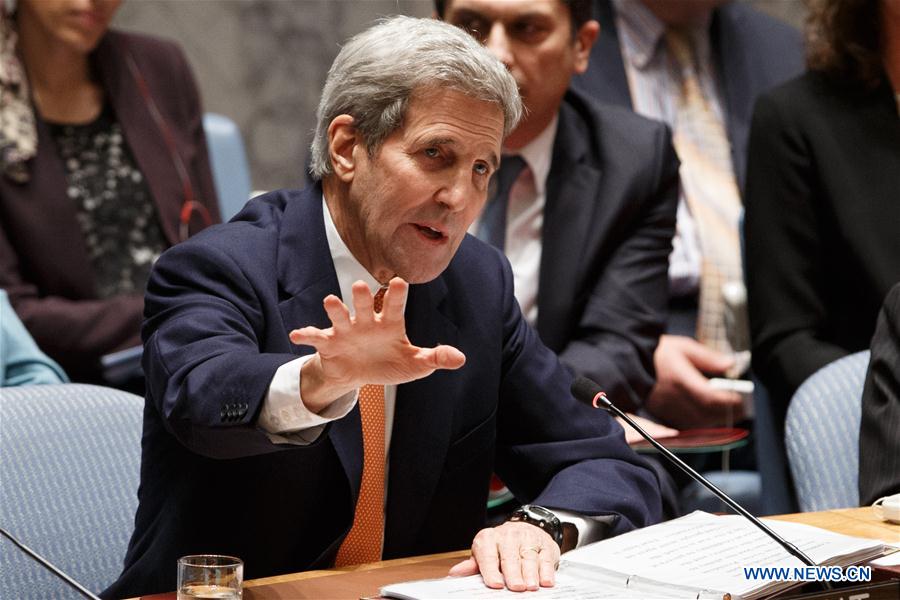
(121,227)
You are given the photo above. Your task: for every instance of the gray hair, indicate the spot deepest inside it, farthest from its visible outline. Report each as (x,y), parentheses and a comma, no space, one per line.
(377,71)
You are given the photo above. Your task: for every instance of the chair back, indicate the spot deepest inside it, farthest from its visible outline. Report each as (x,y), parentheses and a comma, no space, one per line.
(70,466)
(822,434)
(229,163)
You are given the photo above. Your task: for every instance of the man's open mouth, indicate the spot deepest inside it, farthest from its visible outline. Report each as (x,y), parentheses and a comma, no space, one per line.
(429,232)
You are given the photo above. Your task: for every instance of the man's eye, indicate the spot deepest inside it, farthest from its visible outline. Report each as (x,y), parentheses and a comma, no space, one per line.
(481,169)
(528,31)
(432,152)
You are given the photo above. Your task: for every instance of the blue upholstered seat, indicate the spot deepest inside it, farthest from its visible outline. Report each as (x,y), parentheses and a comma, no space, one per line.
(229,163)
(822,434)
(69,472)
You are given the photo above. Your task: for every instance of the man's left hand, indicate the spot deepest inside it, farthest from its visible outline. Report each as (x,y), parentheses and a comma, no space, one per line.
(518,555)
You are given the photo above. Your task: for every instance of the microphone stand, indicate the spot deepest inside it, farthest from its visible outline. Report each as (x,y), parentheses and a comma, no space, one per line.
(583,388)
(49,566)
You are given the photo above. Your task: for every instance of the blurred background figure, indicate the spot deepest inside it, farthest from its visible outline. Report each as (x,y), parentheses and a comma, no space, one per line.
(21,361)
(104,166)
(823,184)
(698,65)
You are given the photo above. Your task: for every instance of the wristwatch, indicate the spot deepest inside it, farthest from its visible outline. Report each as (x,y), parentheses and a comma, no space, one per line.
(564,534)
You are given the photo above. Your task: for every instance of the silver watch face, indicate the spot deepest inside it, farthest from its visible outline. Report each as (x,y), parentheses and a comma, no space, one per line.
(540,513)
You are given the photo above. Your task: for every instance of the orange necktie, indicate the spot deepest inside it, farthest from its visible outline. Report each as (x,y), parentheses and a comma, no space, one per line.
(363,543)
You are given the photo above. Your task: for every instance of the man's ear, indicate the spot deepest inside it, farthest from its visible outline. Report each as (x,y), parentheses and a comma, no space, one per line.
(342,139)
(584,41)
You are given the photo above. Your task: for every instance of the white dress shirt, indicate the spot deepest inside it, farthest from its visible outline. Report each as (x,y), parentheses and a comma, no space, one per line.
(283,416)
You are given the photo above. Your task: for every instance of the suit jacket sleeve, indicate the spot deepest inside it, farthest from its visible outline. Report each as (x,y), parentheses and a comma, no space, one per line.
(624,316)
(786,280)
(555,451)
(879,433)
(21,361)
(209,353)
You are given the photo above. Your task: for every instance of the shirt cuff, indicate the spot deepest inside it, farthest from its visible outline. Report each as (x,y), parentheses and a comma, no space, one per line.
(283,416)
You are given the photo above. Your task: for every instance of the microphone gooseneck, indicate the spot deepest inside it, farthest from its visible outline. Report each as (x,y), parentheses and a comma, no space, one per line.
(49,566)
(590,392)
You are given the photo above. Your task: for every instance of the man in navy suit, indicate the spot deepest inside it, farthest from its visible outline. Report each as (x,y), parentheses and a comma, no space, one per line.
(260,334)
(589,221)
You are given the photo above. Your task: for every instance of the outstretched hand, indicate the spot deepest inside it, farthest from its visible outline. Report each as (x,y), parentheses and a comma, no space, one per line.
(367,347)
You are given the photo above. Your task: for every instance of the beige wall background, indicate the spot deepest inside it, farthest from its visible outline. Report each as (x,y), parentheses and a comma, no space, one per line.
(263,62)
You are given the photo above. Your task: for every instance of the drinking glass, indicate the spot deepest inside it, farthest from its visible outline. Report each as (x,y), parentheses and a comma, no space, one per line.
(204,576)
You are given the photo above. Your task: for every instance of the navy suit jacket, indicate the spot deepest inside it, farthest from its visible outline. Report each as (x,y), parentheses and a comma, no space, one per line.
(219,308)
(752,51)
(609,218)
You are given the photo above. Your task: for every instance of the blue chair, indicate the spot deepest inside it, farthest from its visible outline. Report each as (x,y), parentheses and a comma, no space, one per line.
(822,434)
(229,163)
(70,463)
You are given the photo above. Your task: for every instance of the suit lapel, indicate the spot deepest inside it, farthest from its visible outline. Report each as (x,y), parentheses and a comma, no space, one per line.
(306,276)
(422,423)
(568,216)
(143,134)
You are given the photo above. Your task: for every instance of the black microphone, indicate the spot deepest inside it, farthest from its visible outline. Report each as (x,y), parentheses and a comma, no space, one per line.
(49,566)
(590,392)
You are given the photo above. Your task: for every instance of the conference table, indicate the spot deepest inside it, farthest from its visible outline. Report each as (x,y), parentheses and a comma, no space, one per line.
(364,581)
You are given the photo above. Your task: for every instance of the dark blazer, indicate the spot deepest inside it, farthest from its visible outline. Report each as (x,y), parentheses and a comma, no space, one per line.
(43,261)
(879,431)
(752,51)
(822,215)
(219,309)
(609,218)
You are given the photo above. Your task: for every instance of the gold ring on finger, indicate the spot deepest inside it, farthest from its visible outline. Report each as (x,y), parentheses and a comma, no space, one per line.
(535,549)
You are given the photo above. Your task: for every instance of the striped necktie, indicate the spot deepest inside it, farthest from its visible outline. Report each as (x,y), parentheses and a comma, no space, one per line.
(711,192)
(364,542)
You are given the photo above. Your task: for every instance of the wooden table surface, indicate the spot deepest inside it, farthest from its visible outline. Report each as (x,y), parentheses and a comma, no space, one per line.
(364,581)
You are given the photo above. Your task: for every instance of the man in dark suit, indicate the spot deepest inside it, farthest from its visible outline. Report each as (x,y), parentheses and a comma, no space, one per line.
(738,53)
(259,448)
(589,222)
(879,432)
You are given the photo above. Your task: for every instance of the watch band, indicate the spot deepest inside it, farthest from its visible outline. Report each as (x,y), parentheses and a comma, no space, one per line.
(564,534)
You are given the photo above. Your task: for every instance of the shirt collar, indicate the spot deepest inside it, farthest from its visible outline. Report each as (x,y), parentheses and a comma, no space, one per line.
(538,154)
(348,269)
(640,30)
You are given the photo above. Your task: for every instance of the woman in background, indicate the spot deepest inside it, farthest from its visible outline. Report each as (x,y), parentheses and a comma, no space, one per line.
(823,196)
(104,165)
